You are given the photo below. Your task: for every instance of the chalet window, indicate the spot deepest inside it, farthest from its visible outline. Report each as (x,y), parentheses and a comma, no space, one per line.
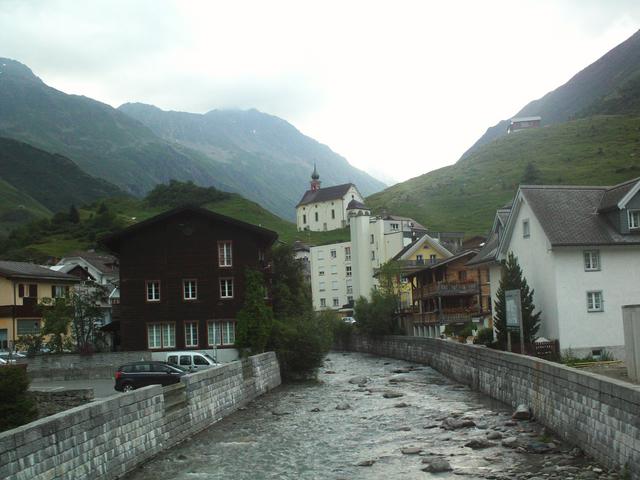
(304,218)
(433,259)
(161,335)
(333,214)
(321,286)
(316,214)
(591,260)
(419,259)
(153,290)
(28,290)
(395,226)
(221,333)
(189,289)
(594,302)
(323,302)
(634,218)
(191,334)
(347,254)
(28,326)
(336,302)
(526,231)
(462,275)
(261,256)
(226,288)
(332,253)
(348,270)
(59,291)
(225,254)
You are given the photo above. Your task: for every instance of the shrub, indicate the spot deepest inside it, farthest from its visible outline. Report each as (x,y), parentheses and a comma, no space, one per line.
(484,336)
(255,319)
(16,404)
(376,317)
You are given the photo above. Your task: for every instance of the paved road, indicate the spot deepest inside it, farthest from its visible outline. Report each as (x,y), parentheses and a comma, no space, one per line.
(101,388)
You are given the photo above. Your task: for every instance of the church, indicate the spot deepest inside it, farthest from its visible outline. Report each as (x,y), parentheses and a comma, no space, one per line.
(324,209)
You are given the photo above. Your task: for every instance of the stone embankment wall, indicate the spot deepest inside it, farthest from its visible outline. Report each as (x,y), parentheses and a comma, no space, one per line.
(50,403)
(107,438)
(70,366)
(600,415)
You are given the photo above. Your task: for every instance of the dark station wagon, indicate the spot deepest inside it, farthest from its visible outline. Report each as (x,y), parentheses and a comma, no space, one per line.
(142,374)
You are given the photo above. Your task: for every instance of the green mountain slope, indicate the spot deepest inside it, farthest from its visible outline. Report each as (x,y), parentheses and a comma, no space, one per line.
(600,79)
(602,150)
(261,152)
(36,183)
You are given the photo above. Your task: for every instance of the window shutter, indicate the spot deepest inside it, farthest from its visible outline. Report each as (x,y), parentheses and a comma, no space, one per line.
(21,290)
(33,291)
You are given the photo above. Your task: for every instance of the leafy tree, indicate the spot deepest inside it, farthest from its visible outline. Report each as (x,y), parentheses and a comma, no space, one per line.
(512,279)
(376,317)
(255,319)
(57,314)
(85,302)
(16,405)
(74,215)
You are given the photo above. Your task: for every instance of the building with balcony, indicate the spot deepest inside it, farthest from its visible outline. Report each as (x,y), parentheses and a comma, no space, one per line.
(22,287)
(448,292)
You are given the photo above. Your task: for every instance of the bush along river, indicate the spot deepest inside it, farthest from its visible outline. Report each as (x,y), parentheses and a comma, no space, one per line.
(367,418)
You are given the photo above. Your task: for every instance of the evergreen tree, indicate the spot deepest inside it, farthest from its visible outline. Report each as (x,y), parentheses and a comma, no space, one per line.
(255,319)
(531,175)
(512,279)
(74,215)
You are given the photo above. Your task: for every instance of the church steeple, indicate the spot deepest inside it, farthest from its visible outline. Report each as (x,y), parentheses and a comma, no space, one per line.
(315,179)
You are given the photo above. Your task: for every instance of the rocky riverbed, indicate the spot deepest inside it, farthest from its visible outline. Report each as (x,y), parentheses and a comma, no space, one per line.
(370,417)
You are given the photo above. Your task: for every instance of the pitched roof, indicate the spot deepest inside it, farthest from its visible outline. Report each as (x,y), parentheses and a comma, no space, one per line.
(416,244)
(112,241)
(416,225)
(615,194)
(325,194)
(488,253)
(356,205)
(445,261)
(25,270)
(569,215)
(103,262)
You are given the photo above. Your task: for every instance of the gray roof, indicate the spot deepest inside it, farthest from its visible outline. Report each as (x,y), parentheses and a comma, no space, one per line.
(31,271)
(103,262)
(613,195)
(569,215)
(488,252)
(356,205)
(325,194)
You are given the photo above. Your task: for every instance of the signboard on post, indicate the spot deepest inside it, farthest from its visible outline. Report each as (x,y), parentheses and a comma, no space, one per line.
(513,306)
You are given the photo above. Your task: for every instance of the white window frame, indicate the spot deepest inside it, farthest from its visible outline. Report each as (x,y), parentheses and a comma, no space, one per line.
(321,286)
(189,289)
(349,288)
(321,273)
(634,219)
(320,254)
(336,301)
(166,335)
(191,334)
(155,290)
(221,333)
(225,253)
(334,270)
(591,259)
(526,228)
(226,287)
(593,305)
(347,254)
(334,285)
(333,253)
(347,270)
(323,302)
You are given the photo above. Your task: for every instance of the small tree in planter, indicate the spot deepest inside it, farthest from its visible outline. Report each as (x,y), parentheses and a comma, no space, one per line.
(512,279)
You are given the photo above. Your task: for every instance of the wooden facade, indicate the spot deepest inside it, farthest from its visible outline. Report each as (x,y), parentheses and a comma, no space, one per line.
(450,292)
(182,278)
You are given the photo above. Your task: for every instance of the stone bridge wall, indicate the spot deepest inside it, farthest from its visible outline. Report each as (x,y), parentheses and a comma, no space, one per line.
(600,415)
(107,438)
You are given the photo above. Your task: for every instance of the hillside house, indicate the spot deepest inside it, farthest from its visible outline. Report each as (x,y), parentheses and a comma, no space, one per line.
(449,292)
(22,287)
(523,123)
(325,209)
(182,279)
(579,249)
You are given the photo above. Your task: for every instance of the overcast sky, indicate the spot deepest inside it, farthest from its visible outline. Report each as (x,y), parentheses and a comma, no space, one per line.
(398,87)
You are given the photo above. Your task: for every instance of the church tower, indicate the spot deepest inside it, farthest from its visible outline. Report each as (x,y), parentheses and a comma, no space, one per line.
(315,179)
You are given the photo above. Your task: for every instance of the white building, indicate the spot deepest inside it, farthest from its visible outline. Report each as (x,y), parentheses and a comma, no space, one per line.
(579,249)
(342,272)
(324,209)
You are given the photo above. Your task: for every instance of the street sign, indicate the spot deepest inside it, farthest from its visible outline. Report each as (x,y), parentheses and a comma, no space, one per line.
(514,308)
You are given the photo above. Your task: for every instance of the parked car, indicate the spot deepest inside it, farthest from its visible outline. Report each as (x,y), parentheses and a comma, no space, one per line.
(142,374)
(8,357)
(192,361)
(349,320)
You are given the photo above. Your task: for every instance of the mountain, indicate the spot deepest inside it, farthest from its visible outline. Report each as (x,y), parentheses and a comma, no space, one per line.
(617,70)
(262,152)
(35,184)
(599,150)
(251,153)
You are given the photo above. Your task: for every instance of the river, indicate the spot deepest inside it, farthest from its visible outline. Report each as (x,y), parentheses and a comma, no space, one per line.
(334,429)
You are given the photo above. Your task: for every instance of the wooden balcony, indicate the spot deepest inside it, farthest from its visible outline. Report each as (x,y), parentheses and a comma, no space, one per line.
(447,316)
(444,289)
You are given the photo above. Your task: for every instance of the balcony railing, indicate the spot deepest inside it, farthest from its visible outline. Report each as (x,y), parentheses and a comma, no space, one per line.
(447,316)
(450,288)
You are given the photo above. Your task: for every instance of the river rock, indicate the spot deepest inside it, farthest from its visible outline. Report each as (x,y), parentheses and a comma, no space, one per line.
(401,405)
(511,442)
(390,394)
(366,463)
(399,379)
(510,423)
(437,465)
(522,412)
(359,380)
(279,413)
(315,410)
(429,426)
(330,372)
(478,443)
(411,450)
(401,370)
(455,424)
(494,436)
(540,447)
(343,406)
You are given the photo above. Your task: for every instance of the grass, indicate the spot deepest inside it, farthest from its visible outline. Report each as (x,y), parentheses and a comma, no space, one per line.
(602,150)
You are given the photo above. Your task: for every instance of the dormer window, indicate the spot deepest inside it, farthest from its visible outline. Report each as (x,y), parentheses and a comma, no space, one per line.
(634,219)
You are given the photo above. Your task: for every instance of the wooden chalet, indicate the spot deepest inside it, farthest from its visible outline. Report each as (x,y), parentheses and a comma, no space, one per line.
(448,292)
(182,278)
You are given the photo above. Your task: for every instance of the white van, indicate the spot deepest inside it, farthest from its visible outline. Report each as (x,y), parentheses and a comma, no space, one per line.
(192,361)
